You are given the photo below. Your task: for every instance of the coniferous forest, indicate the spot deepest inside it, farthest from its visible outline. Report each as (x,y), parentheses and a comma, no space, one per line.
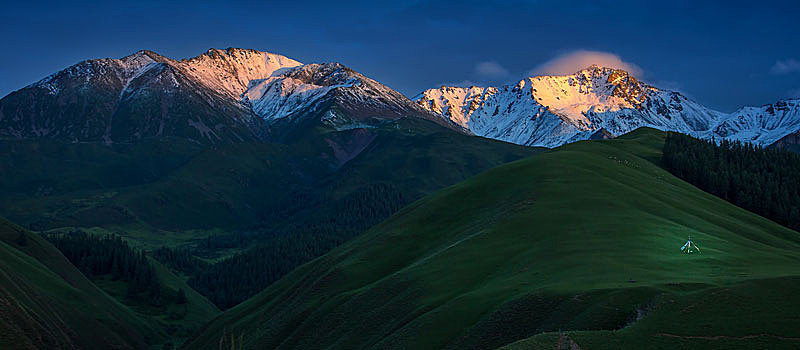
(110,257)
(180,259)
(277,250)
(765,181)
(241,276)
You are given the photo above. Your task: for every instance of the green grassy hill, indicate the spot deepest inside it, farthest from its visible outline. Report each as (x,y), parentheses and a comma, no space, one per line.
(583,239)
(47,303)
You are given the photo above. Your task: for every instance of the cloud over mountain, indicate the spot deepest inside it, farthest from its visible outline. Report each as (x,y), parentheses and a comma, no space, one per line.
(576,60)
(490,70)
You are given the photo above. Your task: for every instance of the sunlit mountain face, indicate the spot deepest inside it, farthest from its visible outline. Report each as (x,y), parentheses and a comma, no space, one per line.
(220,96)
(240,94)
(553,110)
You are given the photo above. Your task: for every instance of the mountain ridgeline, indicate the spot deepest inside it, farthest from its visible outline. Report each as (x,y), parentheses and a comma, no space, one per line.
(236,95)
(553,110)
(231,95)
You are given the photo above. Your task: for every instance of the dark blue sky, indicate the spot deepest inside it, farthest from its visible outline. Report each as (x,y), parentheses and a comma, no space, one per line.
(724,55)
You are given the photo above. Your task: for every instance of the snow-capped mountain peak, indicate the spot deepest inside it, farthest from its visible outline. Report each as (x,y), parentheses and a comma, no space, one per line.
(553,110)
(232,70)
(595,88)
(303,87)
(251,90)
(762,125)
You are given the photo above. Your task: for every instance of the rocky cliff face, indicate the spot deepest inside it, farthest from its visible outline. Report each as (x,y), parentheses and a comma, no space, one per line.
(789,142)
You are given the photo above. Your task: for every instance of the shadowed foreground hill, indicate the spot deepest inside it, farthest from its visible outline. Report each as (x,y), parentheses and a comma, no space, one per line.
(46,303)
(583,239)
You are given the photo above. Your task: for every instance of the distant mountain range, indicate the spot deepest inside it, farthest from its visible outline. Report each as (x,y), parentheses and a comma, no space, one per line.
(244,95)
(219,96)
(599,102)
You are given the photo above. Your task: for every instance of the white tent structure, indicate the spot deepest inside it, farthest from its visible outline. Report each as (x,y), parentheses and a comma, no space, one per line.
(690,247)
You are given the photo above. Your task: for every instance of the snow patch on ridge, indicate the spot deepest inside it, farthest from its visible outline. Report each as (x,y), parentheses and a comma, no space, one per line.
(275,98)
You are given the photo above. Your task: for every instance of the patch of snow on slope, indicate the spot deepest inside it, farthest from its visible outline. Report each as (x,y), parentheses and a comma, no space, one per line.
(278,97)
(134,66)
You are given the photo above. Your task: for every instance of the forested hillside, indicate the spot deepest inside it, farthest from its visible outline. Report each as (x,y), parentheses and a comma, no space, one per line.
(110,256)
(46,303)
(765,181)
(137,281)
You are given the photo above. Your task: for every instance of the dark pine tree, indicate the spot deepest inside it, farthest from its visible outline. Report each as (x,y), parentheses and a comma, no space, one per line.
(181,297)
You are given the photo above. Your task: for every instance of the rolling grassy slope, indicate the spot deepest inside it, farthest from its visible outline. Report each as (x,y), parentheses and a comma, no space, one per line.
(47,303)
(583,238)
(753,314)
